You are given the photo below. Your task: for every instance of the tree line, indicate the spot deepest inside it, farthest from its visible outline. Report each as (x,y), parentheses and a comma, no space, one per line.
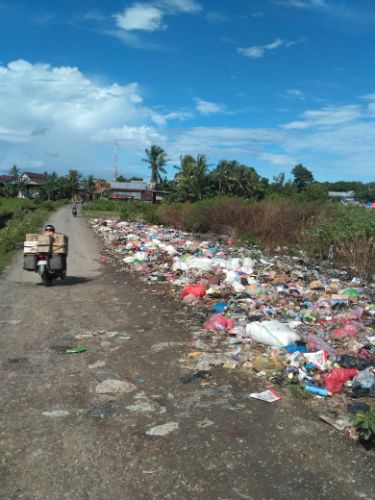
(54,186)
(195,180)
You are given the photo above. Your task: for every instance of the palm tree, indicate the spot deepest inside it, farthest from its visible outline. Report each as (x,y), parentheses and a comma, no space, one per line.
(51,185)
(21,185)
(73,182)
(192,179)
(88,185)
(156,158)
(101,186)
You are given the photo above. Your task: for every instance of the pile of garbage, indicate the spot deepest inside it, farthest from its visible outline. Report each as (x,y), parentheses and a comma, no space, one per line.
(280,317)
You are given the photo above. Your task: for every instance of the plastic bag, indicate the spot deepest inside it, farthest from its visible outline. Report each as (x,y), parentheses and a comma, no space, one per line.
(270,396)
(347,361)
(316,343)
(272,333)
(336,380)
(347,329)
(218,322)
(365,379)
(319,359)
(220,307)
(193,289)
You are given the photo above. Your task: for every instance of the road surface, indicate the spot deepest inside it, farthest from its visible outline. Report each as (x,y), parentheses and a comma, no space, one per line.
(116,421)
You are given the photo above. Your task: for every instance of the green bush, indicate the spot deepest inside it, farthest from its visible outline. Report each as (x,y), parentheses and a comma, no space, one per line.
(14,232)
(347,235)
(104,205)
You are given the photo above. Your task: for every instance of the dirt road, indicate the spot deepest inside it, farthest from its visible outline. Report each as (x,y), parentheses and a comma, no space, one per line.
(116,422)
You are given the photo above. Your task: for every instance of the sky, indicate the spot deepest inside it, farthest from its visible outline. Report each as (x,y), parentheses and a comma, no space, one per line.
(269,83)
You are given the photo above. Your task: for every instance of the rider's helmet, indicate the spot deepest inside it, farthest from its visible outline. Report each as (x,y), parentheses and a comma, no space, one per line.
(49,227)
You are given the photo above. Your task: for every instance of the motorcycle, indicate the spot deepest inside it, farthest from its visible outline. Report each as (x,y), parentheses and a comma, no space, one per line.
(48,266)
(74,211)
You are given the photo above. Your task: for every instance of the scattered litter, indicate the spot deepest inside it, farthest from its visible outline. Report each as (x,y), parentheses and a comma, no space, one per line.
(195,377)
(162,345)
(202,424)
(163,430)
(111,386)
(340,423)
(77,349)
(96,364)
(55,413)
(270,396)
(285,319)
(319,391)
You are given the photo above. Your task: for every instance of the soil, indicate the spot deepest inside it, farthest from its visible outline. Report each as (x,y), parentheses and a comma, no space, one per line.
(117,421)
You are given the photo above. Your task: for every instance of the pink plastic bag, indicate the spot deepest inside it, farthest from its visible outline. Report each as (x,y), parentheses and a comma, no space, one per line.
(348,329)
(191,289)
(335,380)
(218,322)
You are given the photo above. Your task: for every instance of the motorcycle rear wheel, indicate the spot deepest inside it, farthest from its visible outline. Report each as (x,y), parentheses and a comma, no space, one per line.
(46,278)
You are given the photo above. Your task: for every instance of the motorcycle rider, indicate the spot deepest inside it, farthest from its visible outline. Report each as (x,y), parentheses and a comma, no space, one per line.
(74,209)
(50,230)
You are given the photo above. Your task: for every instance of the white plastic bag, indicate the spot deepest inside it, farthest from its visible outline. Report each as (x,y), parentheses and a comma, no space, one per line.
(272,333)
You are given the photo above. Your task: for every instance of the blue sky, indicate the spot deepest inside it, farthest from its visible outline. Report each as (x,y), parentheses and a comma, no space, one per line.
(269,83)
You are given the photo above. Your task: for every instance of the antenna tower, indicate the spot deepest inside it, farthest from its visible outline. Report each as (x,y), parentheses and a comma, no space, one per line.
(115,160)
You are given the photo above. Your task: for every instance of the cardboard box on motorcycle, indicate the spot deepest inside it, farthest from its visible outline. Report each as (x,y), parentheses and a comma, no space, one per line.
(42,243)
(56,246)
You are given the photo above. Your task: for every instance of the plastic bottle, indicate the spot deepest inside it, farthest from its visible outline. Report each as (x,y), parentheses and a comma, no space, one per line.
(320,391)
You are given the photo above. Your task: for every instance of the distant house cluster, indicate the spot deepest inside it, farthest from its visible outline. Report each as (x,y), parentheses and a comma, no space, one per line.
(134,190)
(345,197)
(32,182)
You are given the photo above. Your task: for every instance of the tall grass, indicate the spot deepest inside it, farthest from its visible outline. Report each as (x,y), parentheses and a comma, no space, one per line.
(26,217)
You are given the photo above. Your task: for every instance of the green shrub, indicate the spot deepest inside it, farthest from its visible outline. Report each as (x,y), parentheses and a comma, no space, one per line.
(347,235)
(364,422)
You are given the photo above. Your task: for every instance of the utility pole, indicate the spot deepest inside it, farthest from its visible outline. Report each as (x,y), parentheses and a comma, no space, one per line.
(115,160)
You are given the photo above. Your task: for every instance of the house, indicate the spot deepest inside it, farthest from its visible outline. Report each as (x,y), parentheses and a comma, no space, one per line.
(33,181)
(135,190)
(345,197)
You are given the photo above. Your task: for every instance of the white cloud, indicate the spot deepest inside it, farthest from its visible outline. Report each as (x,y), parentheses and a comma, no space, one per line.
(53,115)
(136,136)
(132,39)
(296,93)
(208,108)
(177,6)
(140,17)
(150,17)
(279,159)
(257,15)
(303,4)
(259,51)
(56,118)
(327,116)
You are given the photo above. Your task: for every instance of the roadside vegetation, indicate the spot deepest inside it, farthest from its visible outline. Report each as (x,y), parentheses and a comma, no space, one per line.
(18,217)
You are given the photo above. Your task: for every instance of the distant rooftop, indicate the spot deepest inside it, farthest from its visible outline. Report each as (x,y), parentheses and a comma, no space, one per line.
(131,186)
(341,194)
